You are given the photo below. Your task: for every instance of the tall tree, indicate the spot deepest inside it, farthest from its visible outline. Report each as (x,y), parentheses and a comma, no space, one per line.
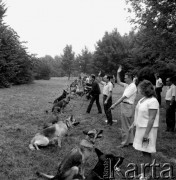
(67,60)
(156,20)
(15,63)
(110,52)
(84,61)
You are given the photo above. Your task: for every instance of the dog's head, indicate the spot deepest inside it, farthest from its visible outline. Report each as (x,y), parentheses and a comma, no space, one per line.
(71,121)
(92,135)
(109,160)
(65,93)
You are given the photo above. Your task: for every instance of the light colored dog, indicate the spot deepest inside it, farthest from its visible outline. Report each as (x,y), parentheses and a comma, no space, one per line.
(74,162)
(52,134)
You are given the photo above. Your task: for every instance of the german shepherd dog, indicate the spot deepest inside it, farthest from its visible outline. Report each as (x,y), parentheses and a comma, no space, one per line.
(64,95)
(106,166)
(52,134)
(60,105)
(74,162)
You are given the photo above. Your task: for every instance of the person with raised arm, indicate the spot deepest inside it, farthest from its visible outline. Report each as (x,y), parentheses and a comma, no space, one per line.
(127,107)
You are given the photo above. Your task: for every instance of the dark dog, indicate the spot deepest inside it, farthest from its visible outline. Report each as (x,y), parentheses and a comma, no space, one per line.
(59,106)
(105,162)
(75,161)
(64,95)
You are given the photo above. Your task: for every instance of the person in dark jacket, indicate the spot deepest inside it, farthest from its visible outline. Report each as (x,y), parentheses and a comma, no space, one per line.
(95,93)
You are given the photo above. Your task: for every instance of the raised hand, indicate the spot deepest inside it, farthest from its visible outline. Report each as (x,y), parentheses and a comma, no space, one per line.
(119,69)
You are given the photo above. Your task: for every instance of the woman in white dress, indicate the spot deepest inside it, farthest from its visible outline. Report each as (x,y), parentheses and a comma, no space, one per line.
(146,120)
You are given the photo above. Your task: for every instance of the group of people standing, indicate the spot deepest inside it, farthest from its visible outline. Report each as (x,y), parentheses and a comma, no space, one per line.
(145,113)
(170,99)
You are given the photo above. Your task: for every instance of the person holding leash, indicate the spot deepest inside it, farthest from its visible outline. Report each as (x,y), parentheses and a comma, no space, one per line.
(95,93)
(107,96)
(127,107)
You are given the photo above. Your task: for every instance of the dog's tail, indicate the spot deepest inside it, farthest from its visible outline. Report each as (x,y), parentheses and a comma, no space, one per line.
(44,175)
(31,147)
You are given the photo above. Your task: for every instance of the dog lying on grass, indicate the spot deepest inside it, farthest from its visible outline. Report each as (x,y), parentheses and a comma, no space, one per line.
(52,134)
(74,162)
(58,107)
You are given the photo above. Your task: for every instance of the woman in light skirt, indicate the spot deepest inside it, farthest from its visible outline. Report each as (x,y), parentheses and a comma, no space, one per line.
(146,120)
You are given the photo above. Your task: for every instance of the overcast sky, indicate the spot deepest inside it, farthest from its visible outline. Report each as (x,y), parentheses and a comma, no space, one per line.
(49,25)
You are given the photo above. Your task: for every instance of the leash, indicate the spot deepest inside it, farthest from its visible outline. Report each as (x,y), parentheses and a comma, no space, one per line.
(98,120)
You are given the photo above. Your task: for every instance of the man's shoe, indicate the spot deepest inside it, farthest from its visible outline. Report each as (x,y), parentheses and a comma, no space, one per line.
(87,112)
(99,112)
(114,120)
(108,123)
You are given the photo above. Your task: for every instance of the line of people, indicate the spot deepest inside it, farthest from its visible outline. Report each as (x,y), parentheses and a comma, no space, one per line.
(146,112)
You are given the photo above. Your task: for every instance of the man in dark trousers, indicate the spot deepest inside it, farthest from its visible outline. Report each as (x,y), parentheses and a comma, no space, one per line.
(107,95)
(95,93)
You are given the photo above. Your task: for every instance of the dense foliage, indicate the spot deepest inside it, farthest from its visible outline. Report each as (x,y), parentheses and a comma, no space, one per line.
(148,49)
(15,63)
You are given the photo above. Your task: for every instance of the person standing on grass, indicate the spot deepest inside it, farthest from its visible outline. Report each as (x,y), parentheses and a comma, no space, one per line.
(127,107)
(158,87)
(146,120)
(107,96)
(94,93)
(170,105)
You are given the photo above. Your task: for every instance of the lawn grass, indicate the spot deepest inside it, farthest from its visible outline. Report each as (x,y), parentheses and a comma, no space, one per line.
(22,115)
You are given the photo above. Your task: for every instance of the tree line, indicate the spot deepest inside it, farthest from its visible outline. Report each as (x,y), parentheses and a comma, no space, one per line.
(148,48)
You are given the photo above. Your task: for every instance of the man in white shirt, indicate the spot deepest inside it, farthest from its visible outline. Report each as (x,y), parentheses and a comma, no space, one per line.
(170,105)
(158,88)
(107,96)
(127,107)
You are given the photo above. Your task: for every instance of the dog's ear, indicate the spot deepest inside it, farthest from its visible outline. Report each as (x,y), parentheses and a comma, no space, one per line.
(85,132)
(98,152)
(99,135)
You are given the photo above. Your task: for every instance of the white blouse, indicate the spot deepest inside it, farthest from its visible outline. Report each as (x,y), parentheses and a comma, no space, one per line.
(141,117)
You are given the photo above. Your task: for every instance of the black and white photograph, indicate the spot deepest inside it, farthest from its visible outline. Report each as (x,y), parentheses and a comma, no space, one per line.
(87,89)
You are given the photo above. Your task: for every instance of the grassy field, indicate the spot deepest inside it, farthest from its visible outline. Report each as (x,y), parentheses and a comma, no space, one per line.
(22,115)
